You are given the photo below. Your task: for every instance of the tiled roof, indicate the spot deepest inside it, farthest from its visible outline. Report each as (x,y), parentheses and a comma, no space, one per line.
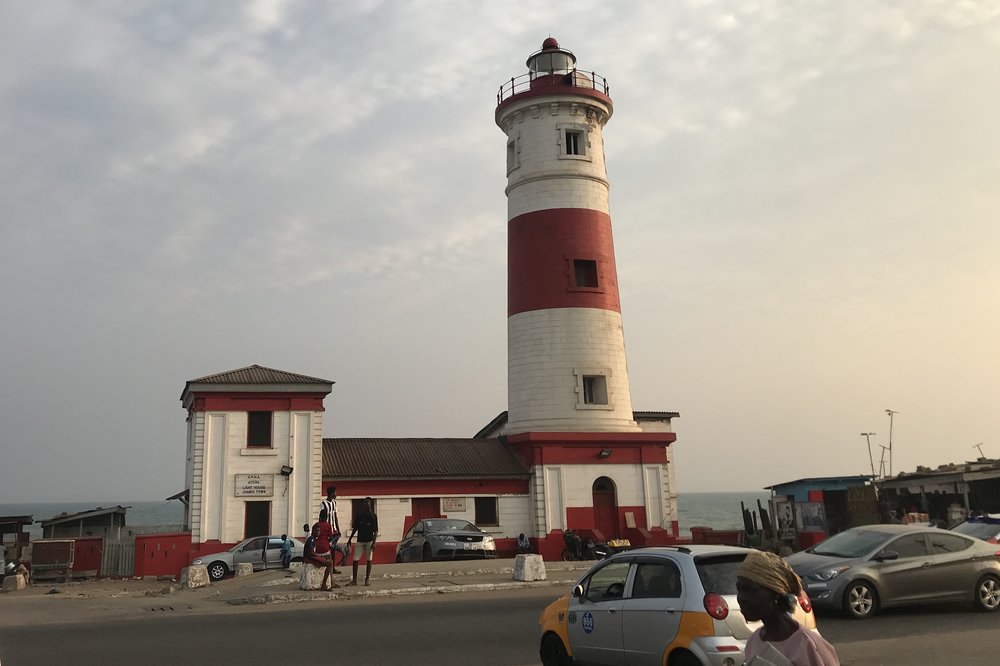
(430,458)
(258,374)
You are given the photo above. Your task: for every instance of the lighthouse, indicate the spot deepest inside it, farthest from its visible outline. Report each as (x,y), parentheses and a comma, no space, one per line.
(566,368)
(596,465)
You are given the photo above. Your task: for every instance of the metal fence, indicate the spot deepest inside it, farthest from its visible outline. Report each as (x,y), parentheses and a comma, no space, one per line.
(118,559)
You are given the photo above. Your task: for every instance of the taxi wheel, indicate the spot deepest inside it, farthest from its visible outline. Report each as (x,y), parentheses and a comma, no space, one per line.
(554,653)
(988,593)
(860,600)
(684,658)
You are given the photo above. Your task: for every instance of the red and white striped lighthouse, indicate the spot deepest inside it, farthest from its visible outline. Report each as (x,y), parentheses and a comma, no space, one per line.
(566,367)
(597,467)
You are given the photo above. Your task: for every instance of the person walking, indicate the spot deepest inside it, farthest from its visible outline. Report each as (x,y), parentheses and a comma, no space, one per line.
(365,525)
(766,589)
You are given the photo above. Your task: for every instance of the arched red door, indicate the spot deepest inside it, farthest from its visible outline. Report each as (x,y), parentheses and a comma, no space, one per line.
(605,507)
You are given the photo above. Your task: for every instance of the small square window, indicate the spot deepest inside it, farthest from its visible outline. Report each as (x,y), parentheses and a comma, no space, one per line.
(259,429)
(595,390)
(585,273)
(511,155)
(486,511)
(574,142)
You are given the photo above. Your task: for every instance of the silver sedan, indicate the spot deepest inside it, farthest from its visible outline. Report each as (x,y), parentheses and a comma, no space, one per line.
(877,566)
(444,539)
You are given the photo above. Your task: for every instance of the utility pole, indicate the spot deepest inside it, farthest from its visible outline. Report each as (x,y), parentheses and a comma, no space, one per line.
(891,413)
(868,436)
(881,462)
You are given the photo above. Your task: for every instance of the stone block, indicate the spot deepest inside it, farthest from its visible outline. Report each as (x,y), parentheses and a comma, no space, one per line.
(529,567)
(311,577)
(194,576)
(14,582)
(244,569)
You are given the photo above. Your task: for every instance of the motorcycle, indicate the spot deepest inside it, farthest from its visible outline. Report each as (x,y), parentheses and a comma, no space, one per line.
(579,550)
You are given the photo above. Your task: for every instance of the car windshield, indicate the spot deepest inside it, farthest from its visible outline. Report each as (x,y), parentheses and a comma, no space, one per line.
(980,530)
(718,573)
(852,543)
(445,525)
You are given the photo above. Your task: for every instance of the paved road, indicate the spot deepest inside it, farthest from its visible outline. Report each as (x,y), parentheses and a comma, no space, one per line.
(495,629)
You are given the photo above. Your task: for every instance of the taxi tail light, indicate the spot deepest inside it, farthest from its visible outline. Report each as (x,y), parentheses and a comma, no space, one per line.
(716,606)
(804,602)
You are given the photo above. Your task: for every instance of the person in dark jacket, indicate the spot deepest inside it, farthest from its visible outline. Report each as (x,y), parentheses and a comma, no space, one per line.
(365,526)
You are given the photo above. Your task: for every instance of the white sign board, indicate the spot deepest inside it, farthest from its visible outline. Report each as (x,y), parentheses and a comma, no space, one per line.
(254,485)
(452,504)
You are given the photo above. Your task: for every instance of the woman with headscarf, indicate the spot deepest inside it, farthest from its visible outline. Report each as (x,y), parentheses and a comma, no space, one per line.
(766,589)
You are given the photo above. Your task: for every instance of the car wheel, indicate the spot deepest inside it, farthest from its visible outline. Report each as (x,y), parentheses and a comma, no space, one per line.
(427,556)
(988,593)
(553,652)
(860,600)
(567,556)
(684,658)
(217,571)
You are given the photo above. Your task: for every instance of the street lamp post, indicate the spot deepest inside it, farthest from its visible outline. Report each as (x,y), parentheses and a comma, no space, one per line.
(891,413)
(868,436)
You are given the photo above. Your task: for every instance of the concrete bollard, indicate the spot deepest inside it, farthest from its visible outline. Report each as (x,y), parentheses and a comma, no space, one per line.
(311,577)
(529,567)
(14,582)
(194,576)
(244,569)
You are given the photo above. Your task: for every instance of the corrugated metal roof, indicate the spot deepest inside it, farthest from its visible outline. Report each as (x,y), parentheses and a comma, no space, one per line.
(429,458)
(80,515)
(258,374)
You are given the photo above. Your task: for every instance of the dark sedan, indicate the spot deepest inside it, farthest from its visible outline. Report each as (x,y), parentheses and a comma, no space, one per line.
(867,568)
(444,539)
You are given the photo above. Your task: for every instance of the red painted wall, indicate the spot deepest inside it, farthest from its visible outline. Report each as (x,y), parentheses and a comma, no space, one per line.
(410,487)
(166,554)
(257,402)
(87,553)
(541,247)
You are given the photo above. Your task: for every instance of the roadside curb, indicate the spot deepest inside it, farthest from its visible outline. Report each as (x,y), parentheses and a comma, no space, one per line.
(405,591)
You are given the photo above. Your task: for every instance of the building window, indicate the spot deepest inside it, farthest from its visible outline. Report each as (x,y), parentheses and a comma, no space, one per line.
(585,273)
(574,142)
(595,390)
(259,429)
(486,511)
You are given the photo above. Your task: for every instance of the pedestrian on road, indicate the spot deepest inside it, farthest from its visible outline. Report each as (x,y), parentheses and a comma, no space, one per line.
(309,556)
(286,551)
(365,525)
(766,590)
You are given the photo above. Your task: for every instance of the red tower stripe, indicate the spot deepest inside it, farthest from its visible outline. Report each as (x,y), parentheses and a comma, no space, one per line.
(542,249)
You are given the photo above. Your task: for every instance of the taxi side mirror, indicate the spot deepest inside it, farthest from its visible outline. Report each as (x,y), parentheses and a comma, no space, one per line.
(578,591)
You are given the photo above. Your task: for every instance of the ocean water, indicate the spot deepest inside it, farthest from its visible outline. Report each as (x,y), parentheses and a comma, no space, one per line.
(718,510)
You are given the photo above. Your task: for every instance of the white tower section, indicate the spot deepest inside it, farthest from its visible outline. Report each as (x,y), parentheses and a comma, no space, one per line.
(566,366)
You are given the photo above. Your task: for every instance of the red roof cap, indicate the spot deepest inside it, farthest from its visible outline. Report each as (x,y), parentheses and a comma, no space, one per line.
(549,44)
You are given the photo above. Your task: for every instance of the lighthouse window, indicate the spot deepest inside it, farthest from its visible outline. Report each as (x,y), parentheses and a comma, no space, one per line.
(585,273)
(511,155)
(595,390)
(574,142)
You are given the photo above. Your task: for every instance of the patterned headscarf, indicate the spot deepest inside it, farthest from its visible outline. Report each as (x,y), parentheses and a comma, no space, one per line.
(770,572)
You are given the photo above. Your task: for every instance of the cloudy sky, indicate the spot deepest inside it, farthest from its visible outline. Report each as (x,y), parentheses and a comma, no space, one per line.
(805,197)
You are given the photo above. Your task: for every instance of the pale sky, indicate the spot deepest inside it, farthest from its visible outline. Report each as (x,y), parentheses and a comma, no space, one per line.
(805,199)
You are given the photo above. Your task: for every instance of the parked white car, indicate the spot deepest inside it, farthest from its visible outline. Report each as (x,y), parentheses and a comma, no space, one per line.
(262,552)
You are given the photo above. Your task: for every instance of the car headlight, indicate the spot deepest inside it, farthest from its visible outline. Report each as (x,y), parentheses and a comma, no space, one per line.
(197,561)
(827,574)
(487,539)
